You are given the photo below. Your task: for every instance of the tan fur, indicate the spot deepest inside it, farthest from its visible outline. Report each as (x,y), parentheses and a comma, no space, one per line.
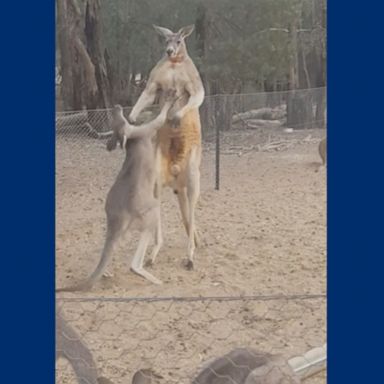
(176,144)
(179,140)
(323,150)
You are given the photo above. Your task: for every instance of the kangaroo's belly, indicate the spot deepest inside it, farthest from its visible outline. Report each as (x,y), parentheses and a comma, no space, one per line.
(175,144)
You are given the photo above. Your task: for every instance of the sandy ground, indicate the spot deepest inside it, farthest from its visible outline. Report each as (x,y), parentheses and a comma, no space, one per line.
(263,232)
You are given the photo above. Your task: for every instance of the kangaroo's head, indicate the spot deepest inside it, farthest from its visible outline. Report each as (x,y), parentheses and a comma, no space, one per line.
(175,47)
(117,110)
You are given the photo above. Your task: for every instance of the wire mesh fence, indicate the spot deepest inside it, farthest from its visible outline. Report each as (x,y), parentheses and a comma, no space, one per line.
(299,109)
(175,337)
(231,124)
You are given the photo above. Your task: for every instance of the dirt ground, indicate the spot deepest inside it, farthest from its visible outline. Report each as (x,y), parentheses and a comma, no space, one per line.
(263,233)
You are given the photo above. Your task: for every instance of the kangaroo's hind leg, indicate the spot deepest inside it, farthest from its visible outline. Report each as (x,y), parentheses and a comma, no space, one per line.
(158,238)
(149,222)
(138,258)
(116,226)
(182,198)
(158,189)
(193,192)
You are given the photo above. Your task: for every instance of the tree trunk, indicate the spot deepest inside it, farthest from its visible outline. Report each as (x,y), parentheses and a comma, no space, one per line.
(305,68)
(294,62)
(84,70)
(299,110)
(110,72)
(93,36)
(201,30)
(304,73)
(65,54)
(202,38)
(299,103)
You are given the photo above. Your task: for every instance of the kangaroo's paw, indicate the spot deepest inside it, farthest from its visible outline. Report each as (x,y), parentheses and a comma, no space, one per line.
(108,274)
(142,272)
(189,265)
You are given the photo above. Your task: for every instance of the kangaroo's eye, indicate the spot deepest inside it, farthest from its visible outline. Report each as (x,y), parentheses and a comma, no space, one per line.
(178,42)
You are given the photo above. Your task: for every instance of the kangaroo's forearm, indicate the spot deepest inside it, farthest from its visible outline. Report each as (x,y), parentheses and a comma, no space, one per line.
(194,102)
(150,128)
(145,100)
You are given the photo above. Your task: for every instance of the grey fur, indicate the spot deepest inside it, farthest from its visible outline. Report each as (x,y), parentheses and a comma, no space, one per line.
(145,376)
(130,202)
(69,345)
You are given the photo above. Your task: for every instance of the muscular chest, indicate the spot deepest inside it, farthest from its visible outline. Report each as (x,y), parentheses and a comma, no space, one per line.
(173,76)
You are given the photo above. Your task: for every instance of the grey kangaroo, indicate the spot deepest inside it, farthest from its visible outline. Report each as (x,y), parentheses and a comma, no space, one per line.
(70,346)
(131,203)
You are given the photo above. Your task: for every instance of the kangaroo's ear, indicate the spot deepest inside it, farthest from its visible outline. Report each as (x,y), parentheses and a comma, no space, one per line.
(186,31)
(165,32)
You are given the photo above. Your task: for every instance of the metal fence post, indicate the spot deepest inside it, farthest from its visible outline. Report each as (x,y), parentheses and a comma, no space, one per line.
(217,156)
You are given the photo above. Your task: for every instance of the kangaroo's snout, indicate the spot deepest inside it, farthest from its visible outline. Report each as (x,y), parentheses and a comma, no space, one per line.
(169,51)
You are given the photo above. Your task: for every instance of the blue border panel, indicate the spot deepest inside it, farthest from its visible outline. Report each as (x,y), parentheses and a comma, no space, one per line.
(355,204)
(27,191)
(355,192)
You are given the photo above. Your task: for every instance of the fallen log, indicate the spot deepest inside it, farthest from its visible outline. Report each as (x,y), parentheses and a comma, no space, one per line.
(261,113)
(269,124)
(95,134)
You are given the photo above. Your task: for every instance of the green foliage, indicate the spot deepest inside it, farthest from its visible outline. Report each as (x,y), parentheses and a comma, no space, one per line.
(246,41)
